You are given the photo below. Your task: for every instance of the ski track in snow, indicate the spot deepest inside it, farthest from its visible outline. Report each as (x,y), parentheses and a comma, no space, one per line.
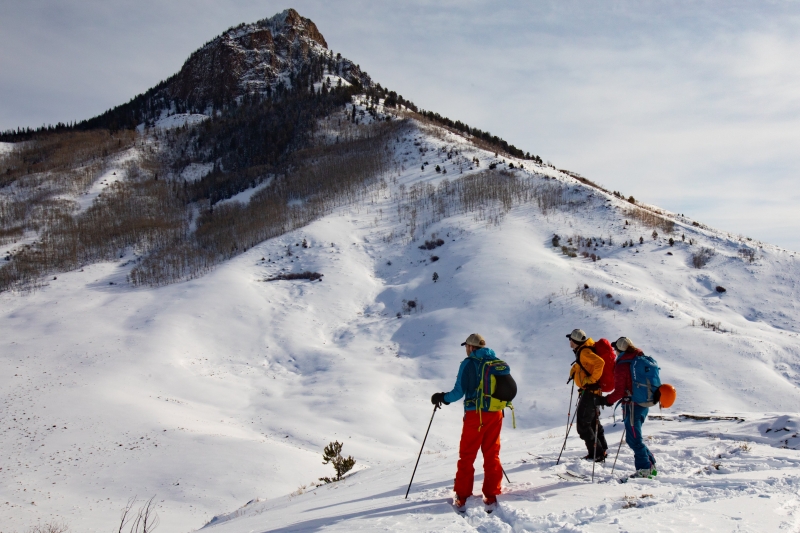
(225,389)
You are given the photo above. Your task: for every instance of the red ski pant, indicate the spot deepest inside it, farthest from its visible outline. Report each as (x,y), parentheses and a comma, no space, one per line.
(487,439)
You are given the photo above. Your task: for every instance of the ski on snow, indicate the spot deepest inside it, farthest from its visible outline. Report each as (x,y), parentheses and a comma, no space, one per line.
(569,475)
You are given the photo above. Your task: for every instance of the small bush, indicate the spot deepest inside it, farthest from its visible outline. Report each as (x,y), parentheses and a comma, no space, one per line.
(409,305)
(431,244)
(311,276)
(52,527)
(435,277)
(333,454)
(671,241)
(702,257)
(434,258)
(556,240)
(721,289)
(748,254)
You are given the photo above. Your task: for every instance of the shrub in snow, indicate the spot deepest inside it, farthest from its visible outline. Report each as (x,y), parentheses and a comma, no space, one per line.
(721,289)
(434,258)
(748,254)
(333,454)
(145,520)
(435,277)
(641,240)
(311,276)
(671,241)
(52,527)
(409,305)
(556,240)
(702,257)
(431,244)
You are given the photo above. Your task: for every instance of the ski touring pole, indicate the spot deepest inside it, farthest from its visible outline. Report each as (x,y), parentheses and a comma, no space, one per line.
(435,407)
(618,448)
(504,473)
(596,427)
(569,426)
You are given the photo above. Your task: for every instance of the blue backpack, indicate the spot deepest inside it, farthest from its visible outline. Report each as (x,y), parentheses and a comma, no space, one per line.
(645,381)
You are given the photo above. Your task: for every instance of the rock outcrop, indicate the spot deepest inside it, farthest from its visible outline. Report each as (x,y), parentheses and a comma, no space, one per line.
(286,49)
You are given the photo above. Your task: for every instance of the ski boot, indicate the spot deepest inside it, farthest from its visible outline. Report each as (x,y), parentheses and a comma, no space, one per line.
(646,473)
(460,503)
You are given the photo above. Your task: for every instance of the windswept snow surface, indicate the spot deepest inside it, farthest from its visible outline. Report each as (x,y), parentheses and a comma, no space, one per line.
(224,389)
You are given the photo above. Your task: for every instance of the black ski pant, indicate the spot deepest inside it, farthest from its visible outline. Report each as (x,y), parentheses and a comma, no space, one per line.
(587,419)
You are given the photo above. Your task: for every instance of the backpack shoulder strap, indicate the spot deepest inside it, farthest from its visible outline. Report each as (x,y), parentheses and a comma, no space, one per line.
(578,359)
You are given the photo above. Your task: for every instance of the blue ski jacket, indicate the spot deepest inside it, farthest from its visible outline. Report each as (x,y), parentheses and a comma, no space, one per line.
(468,379)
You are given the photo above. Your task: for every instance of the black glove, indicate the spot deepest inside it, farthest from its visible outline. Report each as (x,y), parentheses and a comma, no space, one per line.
(592,386)
(604,401)
(438,399)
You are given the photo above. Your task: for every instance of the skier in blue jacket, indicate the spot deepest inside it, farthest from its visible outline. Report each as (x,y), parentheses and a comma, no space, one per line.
(478,432)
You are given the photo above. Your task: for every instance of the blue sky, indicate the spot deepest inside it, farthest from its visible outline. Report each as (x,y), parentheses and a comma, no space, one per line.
(693,106)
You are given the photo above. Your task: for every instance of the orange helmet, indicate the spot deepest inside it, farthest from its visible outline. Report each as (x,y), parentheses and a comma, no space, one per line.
(668,395)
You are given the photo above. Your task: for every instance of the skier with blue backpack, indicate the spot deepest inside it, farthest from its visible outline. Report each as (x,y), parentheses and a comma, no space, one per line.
(486,384)
(636,388)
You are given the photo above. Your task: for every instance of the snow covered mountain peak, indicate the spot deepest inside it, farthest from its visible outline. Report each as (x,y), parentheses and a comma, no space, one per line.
(254,58)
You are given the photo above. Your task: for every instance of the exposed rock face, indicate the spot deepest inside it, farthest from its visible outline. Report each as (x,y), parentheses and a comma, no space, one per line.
(250,58)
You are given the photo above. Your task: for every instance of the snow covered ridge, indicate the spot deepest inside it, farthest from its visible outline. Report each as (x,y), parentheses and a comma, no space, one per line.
(225,389)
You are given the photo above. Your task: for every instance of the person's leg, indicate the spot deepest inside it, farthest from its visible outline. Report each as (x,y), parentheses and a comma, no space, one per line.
(584,420)
(633,436)
(646,460)
(602,445)
(467,451)
(490,446)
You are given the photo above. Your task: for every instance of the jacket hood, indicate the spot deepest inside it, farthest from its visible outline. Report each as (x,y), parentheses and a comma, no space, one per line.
(484,353)
(588,343)
(629,355)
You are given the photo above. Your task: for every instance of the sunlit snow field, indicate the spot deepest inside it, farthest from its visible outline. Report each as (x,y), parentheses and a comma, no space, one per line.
(223,390)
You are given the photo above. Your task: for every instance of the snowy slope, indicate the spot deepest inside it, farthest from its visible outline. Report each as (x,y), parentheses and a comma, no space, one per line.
(220,390)
(5,148)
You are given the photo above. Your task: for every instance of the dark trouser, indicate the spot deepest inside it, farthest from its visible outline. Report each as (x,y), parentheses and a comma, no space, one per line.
(634,416)
(587,420)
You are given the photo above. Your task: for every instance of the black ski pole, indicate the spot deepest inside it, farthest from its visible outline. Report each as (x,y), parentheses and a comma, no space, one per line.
(618,448)
(596,427)
(435,407)
(569,427)
(504,473)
